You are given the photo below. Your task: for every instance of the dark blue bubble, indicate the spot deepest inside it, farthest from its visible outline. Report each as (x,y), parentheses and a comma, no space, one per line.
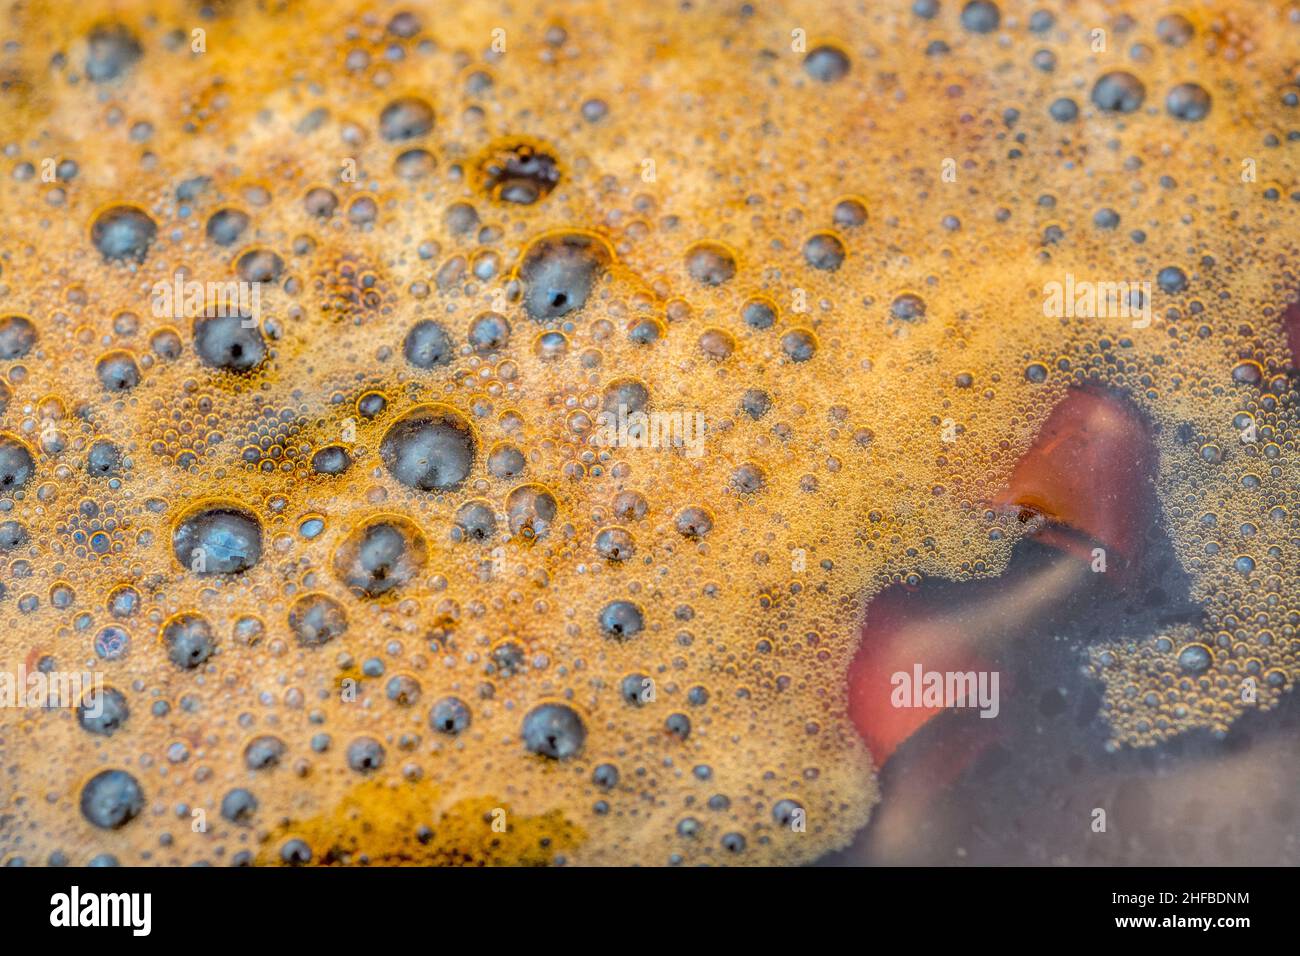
(104,459)
(1172,279)
(1118,92)
(505,461)
(380,556)
(331,460)
(225,226)
(1194,658)
(189,640)
(264,752)
(981,16)
(1064,110)
(605,776)
(17,336)
(320,202)
(316,619)
(621,620)
(103,711)
(694,522)
(826,64)
(259,265)
(429,449)
(111,799)
(554,730)
(1188,102)
(1105,219)
(559,273)
(123,232)
(530,512)
(907,307)
(117,371)
(450,716)
(489,333)
(230,342)
(733,842)
(634,689)
(783,812)
(238,806)
(476,520)
(111,50)
(615,544)
(823,251)
(403,689)
(427,345)
(679,725)
(755,403)
(16,468)
(710,264)
(295,852)
(758,314)
(407,117)
(112,643)
(218,540)
(799,345)
(365,755)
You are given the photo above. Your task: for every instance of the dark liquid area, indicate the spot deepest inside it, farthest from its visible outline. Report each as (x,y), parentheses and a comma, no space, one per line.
(1041,769)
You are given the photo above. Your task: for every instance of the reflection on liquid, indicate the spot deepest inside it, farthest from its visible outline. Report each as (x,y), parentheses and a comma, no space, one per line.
(1025,788)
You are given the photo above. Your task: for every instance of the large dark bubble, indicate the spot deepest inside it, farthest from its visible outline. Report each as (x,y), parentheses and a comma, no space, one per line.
(16,464)
(559,273)
(123,232)
(111,50)
(554,730)
(407,117)
(189,640)
(218,539)
(428,345)
(230,342)
(430,448)
(17,336)
(111,799)
(381,555)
